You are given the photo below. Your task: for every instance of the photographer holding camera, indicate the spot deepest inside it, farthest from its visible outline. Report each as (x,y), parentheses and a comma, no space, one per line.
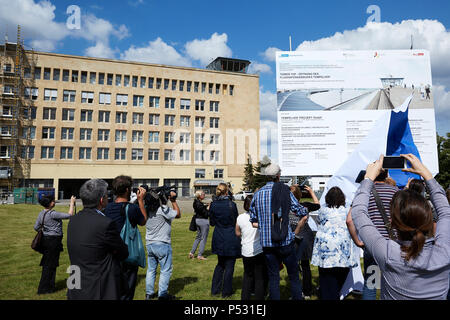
(158,240)
(137,215)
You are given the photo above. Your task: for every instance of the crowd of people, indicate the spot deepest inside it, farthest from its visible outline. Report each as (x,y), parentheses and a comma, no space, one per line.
(404,235)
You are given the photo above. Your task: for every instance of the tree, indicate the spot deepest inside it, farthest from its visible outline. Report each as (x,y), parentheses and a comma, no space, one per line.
(253,175)
(248,175)
(260,179)
(443,144)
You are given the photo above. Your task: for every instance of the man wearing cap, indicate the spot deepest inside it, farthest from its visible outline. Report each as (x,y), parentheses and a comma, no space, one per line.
(269,213)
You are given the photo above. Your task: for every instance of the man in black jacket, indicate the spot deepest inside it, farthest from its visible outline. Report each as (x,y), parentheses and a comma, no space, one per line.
(95,247)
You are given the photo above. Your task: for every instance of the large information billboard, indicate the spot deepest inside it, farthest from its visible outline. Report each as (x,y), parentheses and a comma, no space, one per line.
(328,101)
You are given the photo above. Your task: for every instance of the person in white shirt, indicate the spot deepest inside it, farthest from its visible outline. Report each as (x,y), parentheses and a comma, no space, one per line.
(255,273)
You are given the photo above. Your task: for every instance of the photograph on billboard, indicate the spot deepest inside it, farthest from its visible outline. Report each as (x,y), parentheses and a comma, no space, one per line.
(328,101)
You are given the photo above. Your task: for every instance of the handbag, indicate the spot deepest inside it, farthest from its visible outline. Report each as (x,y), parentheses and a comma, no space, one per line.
(193,224)
(132,238)
(36,244)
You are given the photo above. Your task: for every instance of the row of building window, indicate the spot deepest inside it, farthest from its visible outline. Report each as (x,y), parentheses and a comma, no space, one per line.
(104,116)
(86,153)
(121,99)
(120,80)
(48,133)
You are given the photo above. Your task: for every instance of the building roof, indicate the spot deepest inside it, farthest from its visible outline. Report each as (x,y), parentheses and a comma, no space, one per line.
(145,63)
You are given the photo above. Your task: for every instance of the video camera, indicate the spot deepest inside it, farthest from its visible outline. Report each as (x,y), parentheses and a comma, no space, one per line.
(155,197)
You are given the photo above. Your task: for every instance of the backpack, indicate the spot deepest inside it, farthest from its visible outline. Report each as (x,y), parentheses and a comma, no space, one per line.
(132,238)
(280,205)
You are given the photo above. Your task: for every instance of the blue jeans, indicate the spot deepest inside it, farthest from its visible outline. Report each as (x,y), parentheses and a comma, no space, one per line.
(158,253)
(368,294)
(286,254)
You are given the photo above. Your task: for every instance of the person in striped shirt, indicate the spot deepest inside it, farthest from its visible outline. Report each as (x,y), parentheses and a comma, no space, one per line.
(386,192)
(276,252)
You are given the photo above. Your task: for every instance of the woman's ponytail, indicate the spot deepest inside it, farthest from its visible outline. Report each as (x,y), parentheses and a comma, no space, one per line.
(416,245)
(413,220)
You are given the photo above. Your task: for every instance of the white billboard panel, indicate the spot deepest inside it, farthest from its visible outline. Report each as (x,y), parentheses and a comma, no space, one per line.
(329,100)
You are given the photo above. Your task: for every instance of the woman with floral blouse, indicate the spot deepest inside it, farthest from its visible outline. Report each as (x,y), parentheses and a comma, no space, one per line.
(334,251)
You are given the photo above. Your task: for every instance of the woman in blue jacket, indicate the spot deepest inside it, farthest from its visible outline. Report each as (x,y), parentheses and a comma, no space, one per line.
(223,214)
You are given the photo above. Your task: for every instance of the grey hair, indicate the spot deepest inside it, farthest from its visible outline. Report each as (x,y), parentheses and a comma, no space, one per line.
(92,191)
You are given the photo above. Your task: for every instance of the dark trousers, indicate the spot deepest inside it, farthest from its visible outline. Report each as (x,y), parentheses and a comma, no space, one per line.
(300,245)
(306,277)
(47,282)
(331,281)
(255,276)
(50,261)
(129,277)
(222,280)
(274,257)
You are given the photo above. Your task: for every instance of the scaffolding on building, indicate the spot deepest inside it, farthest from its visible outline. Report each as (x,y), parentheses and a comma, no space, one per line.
(16,116)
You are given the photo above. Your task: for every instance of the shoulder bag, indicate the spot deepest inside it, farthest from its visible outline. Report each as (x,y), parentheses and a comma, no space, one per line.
(36,244)
(132,238)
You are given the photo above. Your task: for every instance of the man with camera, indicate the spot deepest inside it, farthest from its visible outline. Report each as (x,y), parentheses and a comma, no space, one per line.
(137,215)
(158,240)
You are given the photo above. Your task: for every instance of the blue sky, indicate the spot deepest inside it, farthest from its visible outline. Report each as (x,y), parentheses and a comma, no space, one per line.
(191,33)
(251,26)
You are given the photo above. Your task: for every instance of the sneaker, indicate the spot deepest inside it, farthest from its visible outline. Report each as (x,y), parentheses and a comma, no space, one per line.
(201,258)
(191,256)
(151,296)
(167,297)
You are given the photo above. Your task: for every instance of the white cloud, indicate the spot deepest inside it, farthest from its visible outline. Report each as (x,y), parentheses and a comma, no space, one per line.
(267,105)
(156,51)
(43,45)
(268,124)
(41,30)
(100,31)
(427,34)
(269,53)
(100,50)
(256,67)
(136,3)
(206,50)
(37,21)
(442,109)
(268,139)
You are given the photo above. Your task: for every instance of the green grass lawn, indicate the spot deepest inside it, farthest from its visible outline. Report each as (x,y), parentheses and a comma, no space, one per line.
(20,271)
